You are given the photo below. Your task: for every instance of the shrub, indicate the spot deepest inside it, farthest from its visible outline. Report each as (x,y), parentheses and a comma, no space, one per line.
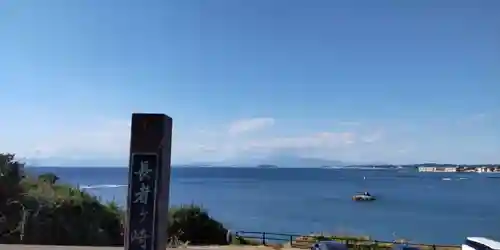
(38,210)
(48,177)
(192,223)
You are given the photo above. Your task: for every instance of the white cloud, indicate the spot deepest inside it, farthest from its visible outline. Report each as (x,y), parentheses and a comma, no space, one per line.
(473,119)
(102,139)
(402,151)
(108,141)
(374,137)
(318,140)
(249,125)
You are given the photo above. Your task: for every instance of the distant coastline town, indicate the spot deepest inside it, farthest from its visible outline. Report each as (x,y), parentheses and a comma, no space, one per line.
(425,167)
(299,162)
(448,168)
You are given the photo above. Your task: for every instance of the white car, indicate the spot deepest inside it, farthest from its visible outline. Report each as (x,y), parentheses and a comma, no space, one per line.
(329,245)
(480,243)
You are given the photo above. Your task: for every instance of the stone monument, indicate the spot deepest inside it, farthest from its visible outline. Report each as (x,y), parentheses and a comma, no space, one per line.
(149,182)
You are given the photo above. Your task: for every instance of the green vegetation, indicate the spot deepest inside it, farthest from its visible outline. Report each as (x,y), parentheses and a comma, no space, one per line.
(39,210)
(192,224)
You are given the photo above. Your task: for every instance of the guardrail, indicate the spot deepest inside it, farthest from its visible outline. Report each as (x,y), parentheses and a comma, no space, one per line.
(305,242)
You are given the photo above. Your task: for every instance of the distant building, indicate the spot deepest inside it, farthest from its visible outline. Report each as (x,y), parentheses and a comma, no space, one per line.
(426,169)
(485,169)
(437,169)
(459,168)
(450,169)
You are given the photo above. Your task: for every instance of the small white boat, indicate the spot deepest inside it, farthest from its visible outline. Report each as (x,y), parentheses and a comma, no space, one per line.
(363,197)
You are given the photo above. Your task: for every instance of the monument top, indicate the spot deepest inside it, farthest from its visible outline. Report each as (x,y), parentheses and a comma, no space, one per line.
(148,131)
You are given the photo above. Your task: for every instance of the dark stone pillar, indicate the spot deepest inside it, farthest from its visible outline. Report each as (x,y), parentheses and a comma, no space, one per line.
(149,182)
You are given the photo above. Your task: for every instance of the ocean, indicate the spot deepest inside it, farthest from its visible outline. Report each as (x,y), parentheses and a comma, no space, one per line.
(435,208)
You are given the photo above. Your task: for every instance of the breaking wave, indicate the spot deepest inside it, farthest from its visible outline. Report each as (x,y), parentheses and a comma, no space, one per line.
(362,168)
(456,179)
(101,186)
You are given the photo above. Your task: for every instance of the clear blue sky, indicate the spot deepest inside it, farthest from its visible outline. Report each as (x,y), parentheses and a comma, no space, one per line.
(393,81)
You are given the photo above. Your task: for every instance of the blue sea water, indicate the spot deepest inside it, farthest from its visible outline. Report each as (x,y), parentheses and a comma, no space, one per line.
(438,208)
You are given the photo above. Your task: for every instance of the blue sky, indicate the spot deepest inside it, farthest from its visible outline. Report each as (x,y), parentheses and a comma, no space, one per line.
(392,81)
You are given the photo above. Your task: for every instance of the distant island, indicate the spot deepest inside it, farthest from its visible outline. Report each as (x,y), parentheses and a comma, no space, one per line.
(267,166)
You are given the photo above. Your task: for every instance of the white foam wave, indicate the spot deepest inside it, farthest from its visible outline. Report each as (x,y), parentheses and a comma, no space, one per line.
(361,168)
(457,179)
(101,186)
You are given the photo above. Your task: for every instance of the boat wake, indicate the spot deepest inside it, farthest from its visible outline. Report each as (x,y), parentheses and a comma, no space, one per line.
(457,179)
(101,186)
(360,168)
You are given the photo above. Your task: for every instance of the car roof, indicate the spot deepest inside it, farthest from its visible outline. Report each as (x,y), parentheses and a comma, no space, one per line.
(485,241)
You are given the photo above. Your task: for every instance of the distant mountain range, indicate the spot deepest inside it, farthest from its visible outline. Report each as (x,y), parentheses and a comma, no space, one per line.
(278,160)
(291,161)
(301,162)
(288,161)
